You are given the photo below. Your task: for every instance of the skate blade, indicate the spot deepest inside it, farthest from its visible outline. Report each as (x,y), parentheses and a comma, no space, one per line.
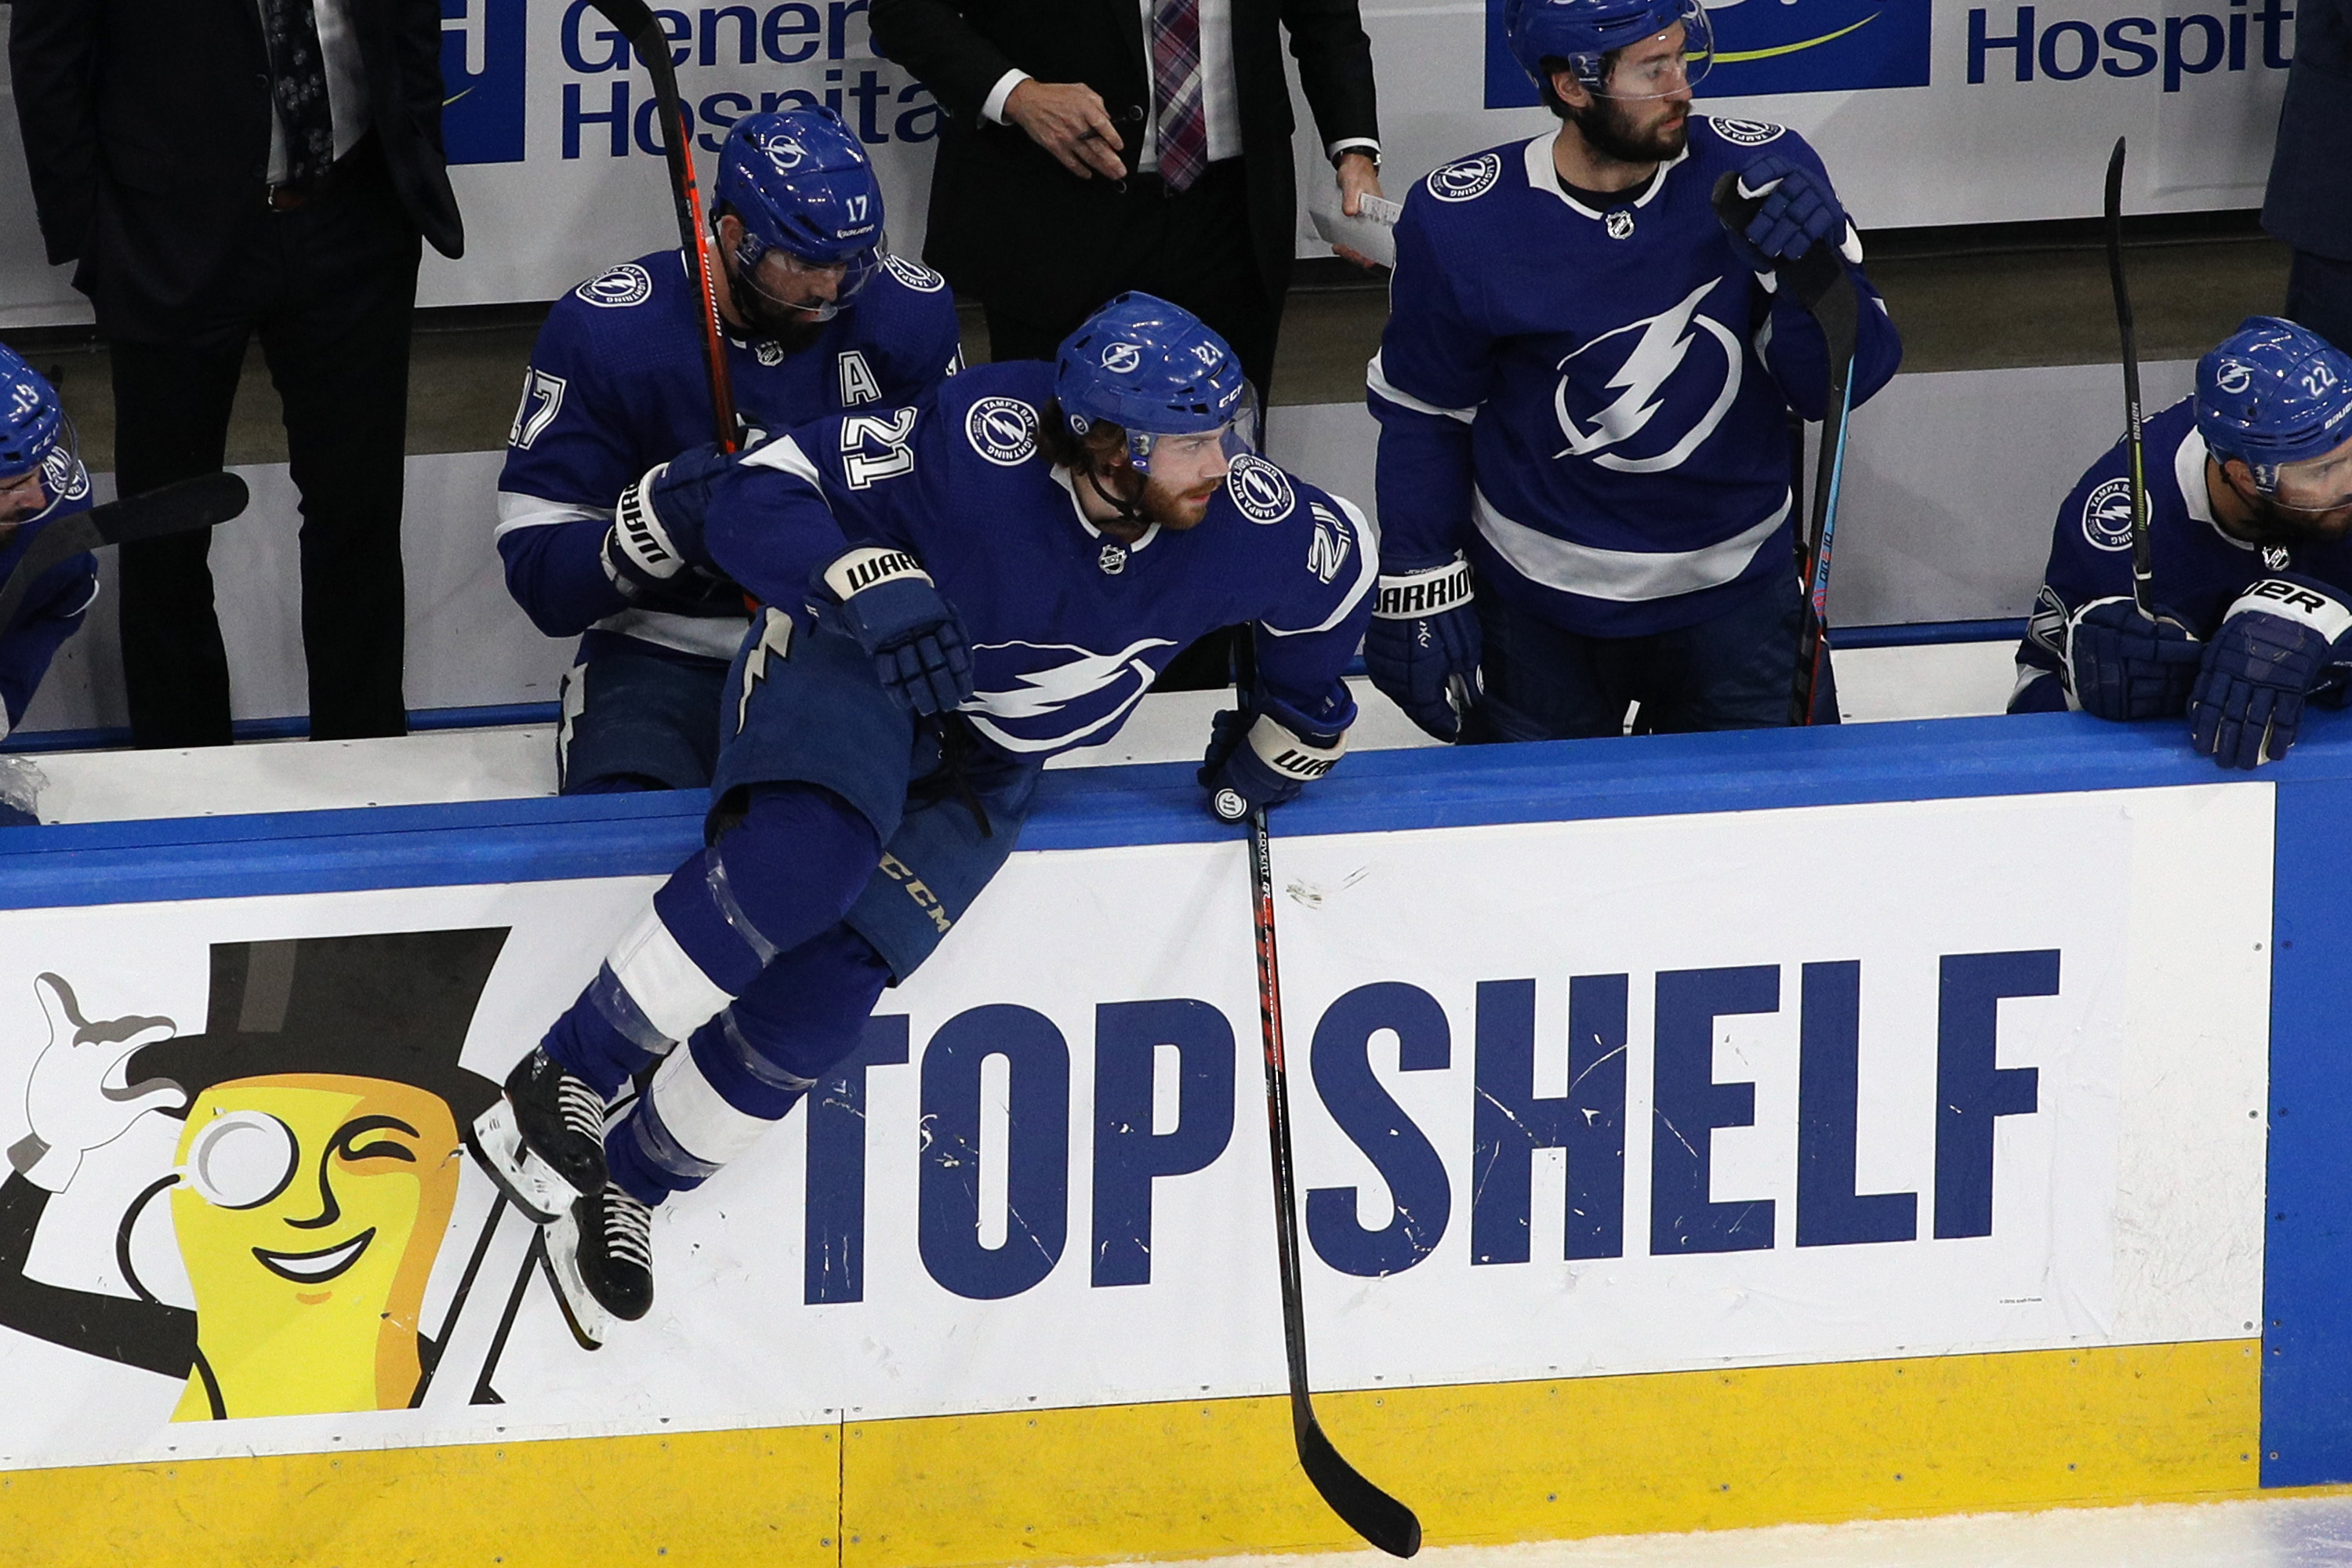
(559,1257)
(528,1181)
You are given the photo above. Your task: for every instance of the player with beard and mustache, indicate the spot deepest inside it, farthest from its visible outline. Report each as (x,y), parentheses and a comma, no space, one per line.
(1584,389)
(957,590)
(819,318)
(2250,506)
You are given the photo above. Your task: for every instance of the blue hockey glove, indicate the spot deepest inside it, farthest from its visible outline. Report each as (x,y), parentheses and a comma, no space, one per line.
(1265,755)
(890,605)
(2285,638)
(657,532)
(1423,647)
(1799,211)
(2124,666)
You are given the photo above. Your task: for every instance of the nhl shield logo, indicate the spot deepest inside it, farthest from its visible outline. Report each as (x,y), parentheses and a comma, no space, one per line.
(1113,560)
(1619,223)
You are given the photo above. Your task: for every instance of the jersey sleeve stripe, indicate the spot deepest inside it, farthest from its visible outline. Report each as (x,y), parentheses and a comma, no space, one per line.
(518,510)
(1623,576)
(1376,380)
(783,454)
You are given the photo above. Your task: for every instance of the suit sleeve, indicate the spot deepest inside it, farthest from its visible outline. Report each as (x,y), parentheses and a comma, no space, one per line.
(418,25)
(1424,387)
(1335,67)
(53,48)
(942,50)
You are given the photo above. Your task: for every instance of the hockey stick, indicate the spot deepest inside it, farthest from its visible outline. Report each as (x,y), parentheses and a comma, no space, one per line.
(1368,1511)
(2143,556)
(637,22)
(180,508)
(1818,282)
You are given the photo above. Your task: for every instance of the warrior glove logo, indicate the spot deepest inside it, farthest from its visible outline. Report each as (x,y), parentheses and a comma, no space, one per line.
(1260,490)
(1659,373)
(2107,516)
(1003,430)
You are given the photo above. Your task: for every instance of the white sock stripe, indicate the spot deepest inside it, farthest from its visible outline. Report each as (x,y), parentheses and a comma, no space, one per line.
(698,1116)
(669,987)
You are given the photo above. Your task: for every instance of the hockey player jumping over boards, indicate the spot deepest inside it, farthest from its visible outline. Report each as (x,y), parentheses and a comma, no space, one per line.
(820,318)
(2250,504)
(41,480)
(957,590)
(1583,392)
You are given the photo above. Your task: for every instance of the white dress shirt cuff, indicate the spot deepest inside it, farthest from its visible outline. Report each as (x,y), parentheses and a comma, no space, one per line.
(1352,144)
(992,110)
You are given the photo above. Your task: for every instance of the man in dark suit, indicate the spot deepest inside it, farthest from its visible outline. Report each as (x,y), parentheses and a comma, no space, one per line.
(1094,146)
(2310,199)
(223,168)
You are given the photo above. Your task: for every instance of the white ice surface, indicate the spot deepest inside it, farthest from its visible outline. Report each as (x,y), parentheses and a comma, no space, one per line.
(2273,1532)
(506,763)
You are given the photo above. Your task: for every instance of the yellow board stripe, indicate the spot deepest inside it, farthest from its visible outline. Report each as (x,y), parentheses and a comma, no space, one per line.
(1499,1462)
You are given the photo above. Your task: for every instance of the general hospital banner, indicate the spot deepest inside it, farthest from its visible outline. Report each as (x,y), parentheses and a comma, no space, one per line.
(1927,114)
(1574,1100)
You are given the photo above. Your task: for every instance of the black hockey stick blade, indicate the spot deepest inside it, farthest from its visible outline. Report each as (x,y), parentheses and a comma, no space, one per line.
(2143,553)
(180,508)
(1363,1507)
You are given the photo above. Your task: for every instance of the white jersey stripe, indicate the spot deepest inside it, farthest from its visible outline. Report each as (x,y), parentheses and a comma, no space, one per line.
(518,510)
(1622,576)
(1376,380)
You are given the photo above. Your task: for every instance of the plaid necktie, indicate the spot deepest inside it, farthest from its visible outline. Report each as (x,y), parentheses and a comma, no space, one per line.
(1176,92)
(298,81)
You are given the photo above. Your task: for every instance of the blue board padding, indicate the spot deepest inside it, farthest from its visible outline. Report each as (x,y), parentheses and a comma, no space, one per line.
(2308,1252)
(547,839)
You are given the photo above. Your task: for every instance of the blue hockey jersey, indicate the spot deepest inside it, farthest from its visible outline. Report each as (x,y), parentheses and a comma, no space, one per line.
(53,608)
(2199,571)
(1068,626)
(617,385)
(1594,403)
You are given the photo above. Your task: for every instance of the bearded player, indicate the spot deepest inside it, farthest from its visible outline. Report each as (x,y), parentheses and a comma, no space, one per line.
(819,318)
(2250,502)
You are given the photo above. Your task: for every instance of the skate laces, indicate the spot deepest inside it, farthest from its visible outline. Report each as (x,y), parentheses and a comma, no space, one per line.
(628,1229)
(581,1107)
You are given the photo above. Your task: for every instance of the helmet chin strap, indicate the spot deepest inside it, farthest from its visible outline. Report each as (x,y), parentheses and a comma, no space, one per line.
(1129,511)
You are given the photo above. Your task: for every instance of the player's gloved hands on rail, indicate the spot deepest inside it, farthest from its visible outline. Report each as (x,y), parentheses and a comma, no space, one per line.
(2124,666)
(1263,754)
(2287,637)
(1423,647)
(890,605)
(1799,211)
(657,532)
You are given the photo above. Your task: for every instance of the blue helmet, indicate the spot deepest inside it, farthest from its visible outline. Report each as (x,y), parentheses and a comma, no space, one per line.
(2273,392)
(1582,32)
(801,182)
(1153,369)
(32,423)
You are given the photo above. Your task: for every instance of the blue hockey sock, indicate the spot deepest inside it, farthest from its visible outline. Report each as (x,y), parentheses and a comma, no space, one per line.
(791,866)
(747,1067)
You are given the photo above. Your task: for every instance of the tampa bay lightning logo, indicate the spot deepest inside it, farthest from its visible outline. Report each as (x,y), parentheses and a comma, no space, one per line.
(2234,376)
(1120,358)
(1466,181)
(1260,490)
(1071,675)
(1002,429)
(1663,362)
(914,275)
(785,153)
(1747,133)
(2107,516)
(63,477)
(623,286)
